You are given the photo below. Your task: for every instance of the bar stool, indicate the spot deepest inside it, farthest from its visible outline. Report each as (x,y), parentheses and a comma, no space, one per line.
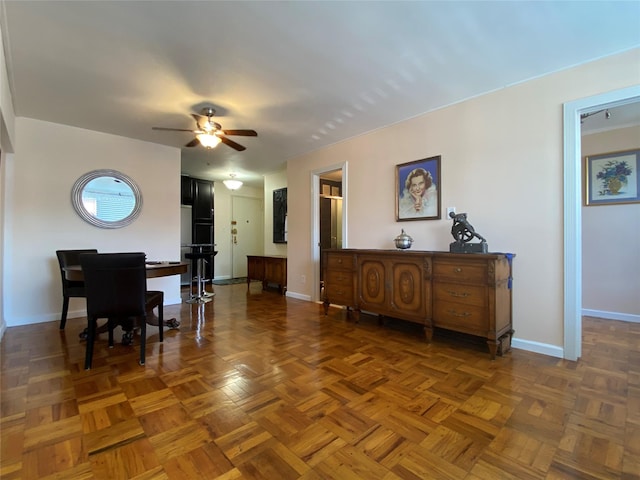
(204,290)
(199,258)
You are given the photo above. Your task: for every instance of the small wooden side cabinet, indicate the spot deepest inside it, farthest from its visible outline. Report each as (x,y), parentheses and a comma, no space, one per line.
(268,269)
(467,293)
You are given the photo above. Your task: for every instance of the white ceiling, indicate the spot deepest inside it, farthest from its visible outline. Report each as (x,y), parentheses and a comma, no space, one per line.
(303,74)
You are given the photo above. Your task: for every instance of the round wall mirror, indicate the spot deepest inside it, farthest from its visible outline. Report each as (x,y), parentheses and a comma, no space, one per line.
(106,198)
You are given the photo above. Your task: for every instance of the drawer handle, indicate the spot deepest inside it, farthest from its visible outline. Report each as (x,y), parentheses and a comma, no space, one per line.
(456,314)
(339,260)
(457,270)
(456,294)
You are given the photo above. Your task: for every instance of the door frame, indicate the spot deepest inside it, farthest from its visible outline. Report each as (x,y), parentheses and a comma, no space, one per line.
(315,221)
(573,209)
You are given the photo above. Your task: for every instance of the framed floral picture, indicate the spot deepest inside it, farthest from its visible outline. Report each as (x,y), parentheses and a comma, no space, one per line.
(418,186)
(612,178)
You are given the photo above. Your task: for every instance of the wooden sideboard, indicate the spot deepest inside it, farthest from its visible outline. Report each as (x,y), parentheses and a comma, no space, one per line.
(468,293)
(268,269)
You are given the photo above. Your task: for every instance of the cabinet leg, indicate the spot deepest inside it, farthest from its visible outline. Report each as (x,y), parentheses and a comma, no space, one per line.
(505,342)
(380,320)
(493,348)
(428,333)
(326,304)
(356,315)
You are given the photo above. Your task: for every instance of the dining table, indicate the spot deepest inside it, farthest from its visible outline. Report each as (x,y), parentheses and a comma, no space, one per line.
(154,269)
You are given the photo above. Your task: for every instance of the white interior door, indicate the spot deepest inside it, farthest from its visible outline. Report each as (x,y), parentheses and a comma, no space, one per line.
(247,233)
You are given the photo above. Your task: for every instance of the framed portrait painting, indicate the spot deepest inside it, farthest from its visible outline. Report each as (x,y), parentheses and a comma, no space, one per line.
(418,190)
(612,178)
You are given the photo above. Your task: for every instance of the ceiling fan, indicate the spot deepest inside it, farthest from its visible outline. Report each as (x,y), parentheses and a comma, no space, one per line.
(209,133)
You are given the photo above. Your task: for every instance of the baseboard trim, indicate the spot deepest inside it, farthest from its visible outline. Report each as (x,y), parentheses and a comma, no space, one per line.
(537,347)
(172,301)
(624,317)
(298,296)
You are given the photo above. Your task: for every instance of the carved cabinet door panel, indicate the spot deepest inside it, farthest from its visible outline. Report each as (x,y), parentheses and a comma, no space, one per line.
(372,277)
(408,289)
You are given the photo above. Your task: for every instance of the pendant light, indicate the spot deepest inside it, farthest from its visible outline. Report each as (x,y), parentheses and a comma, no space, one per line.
(232,184)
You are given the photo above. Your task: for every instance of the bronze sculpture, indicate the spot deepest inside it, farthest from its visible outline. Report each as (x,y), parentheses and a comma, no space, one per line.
(463,232)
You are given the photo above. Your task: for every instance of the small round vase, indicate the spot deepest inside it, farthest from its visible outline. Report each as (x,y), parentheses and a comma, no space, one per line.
(614,185)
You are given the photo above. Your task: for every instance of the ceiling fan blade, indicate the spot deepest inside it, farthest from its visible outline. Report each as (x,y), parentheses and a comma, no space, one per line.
(172,129)
(197,119)
(193,143)
(243,133)
(232,144)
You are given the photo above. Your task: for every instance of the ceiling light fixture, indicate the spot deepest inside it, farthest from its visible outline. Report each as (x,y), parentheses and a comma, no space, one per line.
(208,140)
(232,184)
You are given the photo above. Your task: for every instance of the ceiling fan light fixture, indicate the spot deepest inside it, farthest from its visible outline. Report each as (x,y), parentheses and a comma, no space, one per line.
(208,140)
(232,184)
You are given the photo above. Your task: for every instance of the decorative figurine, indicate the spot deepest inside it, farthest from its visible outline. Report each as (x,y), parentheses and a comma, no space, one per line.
(462,232)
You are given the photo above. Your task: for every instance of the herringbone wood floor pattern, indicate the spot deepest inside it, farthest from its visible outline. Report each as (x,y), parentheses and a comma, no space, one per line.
(262,386)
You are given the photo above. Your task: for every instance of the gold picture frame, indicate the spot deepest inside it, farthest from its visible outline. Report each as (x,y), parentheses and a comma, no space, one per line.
(612,178)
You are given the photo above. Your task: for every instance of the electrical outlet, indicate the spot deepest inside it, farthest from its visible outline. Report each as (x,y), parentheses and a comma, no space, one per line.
(451,210)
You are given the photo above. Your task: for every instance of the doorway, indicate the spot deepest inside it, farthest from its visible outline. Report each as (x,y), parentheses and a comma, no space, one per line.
(329,217)
(247,232)
(573,210)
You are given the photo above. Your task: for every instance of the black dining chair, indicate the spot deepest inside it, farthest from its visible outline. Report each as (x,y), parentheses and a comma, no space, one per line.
(70,288)
(116,289)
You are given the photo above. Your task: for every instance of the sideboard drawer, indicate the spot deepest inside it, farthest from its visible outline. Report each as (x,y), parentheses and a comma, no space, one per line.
(339,278)
(460,293)
(340,296)
(460,272)
(338,261)
(460,317)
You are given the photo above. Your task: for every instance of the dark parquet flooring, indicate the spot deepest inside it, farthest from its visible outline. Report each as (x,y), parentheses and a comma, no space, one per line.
(261,386)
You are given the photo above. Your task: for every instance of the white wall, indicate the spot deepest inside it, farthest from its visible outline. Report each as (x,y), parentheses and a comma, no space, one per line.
(502,163)
(610,233)
(272,182)
(40,219)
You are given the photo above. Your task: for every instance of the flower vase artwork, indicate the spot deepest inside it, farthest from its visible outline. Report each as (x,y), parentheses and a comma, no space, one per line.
(613,177)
